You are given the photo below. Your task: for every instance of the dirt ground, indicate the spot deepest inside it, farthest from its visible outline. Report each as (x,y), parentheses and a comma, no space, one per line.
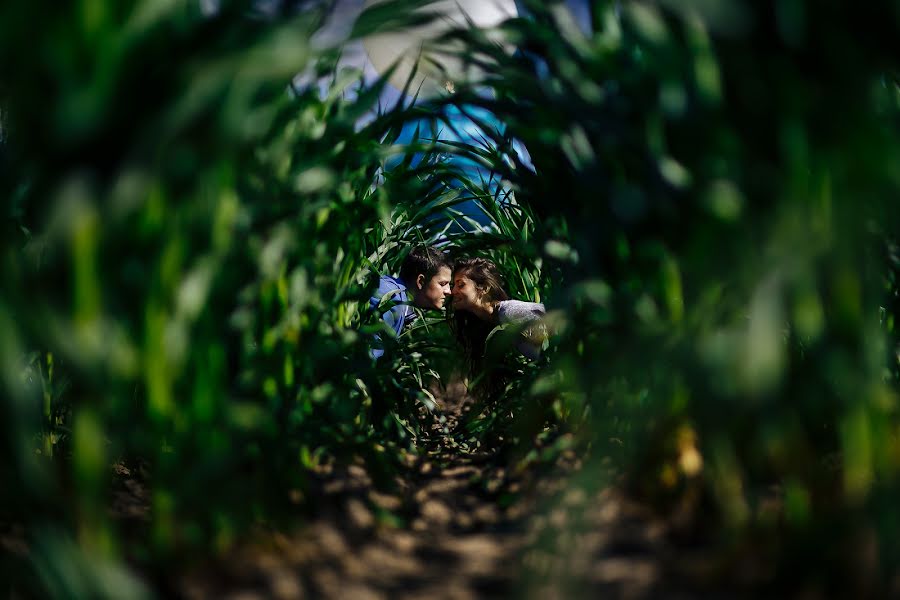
(461,525)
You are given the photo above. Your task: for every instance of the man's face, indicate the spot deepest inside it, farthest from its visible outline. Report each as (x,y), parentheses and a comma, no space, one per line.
(433,293)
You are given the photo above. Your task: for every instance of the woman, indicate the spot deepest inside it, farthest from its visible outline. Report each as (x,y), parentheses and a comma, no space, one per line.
(480,304)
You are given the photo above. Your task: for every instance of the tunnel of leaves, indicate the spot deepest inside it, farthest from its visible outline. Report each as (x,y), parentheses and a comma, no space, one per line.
(708,210)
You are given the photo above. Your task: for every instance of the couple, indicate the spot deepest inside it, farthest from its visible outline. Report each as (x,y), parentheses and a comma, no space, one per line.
(478,301)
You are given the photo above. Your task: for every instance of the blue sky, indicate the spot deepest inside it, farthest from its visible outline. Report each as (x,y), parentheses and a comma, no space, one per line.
(354,56)
(338,27)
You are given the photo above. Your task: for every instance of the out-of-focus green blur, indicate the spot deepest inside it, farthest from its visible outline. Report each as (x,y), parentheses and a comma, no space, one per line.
(189,247)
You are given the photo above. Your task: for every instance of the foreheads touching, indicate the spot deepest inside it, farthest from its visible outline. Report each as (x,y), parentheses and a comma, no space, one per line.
(476,282)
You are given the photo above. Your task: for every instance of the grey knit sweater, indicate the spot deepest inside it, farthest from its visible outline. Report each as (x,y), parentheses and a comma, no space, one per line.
(517,311)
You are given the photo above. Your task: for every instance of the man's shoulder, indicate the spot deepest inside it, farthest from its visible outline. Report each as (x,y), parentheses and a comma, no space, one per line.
(388,283)
(389,288)
(390,280)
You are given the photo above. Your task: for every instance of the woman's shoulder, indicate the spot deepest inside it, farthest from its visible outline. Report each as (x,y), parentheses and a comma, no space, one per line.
(519,310)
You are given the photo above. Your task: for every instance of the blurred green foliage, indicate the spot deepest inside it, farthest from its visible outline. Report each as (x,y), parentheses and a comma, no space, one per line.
(189,249)
(718,187)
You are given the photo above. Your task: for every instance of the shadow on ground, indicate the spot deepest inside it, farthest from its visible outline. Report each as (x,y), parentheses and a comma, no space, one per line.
(458,525)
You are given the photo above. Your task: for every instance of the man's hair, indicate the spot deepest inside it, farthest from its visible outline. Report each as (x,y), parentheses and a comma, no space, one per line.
(426,260)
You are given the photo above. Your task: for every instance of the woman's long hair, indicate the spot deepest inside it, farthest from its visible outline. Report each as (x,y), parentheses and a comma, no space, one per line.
(470,331)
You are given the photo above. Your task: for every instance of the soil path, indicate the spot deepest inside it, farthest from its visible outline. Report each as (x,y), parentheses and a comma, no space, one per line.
(458,526)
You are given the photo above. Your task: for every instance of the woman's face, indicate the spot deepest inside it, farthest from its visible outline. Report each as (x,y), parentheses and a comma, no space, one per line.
(464,293)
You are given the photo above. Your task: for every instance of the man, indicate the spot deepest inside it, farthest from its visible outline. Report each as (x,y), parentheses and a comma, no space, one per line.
(424,282)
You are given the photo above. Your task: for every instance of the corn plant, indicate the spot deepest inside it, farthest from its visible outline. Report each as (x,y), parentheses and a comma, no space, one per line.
(190,242)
